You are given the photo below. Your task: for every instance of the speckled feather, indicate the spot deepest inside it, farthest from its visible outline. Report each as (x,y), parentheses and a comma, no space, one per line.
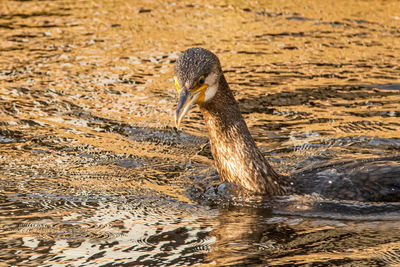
(236,155)
(194,63)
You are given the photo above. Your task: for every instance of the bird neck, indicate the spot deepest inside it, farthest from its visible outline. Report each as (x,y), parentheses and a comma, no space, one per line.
(235,153)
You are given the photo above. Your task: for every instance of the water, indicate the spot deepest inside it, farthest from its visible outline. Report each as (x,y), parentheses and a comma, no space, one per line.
(93,173)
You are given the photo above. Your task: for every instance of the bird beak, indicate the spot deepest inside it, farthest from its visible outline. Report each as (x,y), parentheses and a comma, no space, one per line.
(186,101)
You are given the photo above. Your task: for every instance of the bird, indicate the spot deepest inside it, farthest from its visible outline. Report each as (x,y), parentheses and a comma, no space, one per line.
(199,80)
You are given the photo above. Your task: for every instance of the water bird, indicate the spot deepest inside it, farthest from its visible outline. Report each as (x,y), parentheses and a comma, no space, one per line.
(199,80)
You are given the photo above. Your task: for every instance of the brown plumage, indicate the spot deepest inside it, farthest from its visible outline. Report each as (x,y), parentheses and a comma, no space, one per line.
(200,80)
(236,155)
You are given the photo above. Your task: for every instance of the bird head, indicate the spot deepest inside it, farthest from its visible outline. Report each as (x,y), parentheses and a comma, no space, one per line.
(197,73)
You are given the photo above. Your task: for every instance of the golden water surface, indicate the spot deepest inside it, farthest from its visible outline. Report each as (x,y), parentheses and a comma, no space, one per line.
(92,171)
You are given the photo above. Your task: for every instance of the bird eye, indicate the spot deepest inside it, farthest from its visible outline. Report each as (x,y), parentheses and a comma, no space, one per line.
(202,80)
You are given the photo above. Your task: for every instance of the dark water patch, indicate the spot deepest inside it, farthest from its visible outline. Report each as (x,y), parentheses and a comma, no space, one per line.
(278,124)
(389,86)
(316,150)
(250,52)
(297,18)
(161,136)
(33,123)
(33,14)
(359,34)
(7,26)
(366,126)
(338,210)
(5,140)
(128,163)
(20,39)
(143,10)
(333,23)
(388,143)
(321,141)
(290,48)
(39,151)
(328,64)
(361,21)
(49,142)
(374,179)
(291,34)
(269,14)
(377,113)
(168,136)
(15,136)
(43,25)
(301,244)
(384,77)
(308,96)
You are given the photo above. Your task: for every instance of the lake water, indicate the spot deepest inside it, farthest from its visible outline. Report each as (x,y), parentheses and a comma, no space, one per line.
(93,172)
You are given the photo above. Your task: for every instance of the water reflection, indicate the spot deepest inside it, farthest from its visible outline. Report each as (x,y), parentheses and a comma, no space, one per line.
(92,171)
(254,236)
(88,231)
(151,231)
